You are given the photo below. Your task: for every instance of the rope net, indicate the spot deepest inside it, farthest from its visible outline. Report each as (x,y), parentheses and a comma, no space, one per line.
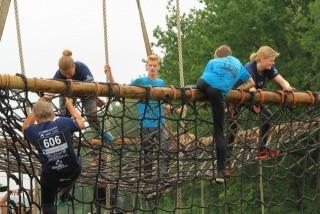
(146,179)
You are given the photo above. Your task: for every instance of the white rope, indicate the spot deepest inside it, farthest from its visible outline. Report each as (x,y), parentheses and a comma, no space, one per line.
(179,190)
(16,12)
(180,44)
(105,31)
(106,50)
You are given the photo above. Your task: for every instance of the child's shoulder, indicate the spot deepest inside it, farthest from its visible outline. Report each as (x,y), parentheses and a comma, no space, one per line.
(63,120)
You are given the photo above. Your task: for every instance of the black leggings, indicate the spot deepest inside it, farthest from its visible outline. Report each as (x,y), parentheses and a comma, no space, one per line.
(52,182)
(217,107)
(265,125)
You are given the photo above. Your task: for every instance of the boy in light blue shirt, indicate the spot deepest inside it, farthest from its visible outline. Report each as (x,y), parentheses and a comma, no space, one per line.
(220,75)
(150,114)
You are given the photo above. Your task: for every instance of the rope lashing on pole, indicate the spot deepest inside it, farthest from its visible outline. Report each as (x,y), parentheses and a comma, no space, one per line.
(298,98)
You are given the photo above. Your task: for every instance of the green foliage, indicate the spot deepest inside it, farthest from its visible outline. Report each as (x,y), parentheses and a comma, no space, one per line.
(290,27)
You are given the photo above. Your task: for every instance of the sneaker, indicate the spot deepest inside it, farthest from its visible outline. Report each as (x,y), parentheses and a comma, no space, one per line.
(107,137)
(228,171)
(3,188)
(262,155)
(220,177)
(274,153)
(266,154)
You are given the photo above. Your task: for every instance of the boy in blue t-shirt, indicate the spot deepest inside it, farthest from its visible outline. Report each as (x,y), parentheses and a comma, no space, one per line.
(52,138)
(150,114)
(218,78)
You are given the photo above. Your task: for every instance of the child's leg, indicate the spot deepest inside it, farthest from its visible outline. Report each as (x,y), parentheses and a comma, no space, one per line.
(67,182)
(48,193)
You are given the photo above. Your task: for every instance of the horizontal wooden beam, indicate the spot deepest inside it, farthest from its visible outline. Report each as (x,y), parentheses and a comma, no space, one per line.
(161,93)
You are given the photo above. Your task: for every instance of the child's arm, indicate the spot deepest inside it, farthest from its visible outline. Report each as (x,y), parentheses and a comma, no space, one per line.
(74,113)
(108,72)
(3,203)
(28,121)
(247,85)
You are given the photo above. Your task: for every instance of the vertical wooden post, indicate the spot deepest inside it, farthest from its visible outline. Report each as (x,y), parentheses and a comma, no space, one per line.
(202,197)
(144,30)
(4,8)
(261,187)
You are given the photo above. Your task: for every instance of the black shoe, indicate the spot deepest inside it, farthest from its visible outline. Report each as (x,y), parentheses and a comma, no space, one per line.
(220,177)
(3,188)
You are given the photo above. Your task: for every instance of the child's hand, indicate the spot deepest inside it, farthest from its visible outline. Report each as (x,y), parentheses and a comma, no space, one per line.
(69,101)
(107,69)
(48,96)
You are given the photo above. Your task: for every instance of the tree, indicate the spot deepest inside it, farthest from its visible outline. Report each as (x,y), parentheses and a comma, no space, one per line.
(245,25)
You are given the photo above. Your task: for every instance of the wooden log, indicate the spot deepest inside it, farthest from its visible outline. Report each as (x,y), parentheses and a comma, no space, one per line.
(161,93)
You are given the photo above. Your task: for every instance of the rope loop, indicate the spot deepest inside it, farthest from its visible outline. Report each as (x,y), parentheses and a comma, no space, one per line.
(121,92)
(241,95)
(282,97)
(294,101)
(98,88)
(261,100)
(110,90)
(184,98)
(312,97)
(7,80)
(252,97)
(69,84)
(148,92)
(24,79)
(40,93)
(191,93)
(174,92)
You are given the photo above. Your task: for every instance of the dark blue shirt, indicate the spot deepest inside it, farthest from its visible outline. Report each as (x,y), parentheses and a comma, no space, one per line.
(53,141)
(260,78)
(82,73)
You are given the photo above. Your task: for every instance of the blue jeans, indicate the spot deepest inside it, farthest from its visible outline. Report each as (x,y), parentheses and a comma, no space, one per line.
(155,146)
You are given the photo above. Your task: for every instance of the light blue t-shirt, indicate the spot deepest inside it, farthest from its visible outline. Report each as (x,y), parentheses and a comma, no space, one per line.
(151,113)
(224,73)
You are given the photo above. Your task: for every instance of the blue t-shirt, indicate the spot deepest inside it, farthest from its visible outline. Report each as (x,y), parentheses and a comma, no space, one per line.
(151,112)
(260,79)
(82,73)
(53,141)
(224,73)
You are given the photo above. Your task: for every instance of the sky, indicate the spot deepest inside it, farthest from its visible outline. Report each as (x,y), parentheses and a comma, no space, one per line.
(49,27)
